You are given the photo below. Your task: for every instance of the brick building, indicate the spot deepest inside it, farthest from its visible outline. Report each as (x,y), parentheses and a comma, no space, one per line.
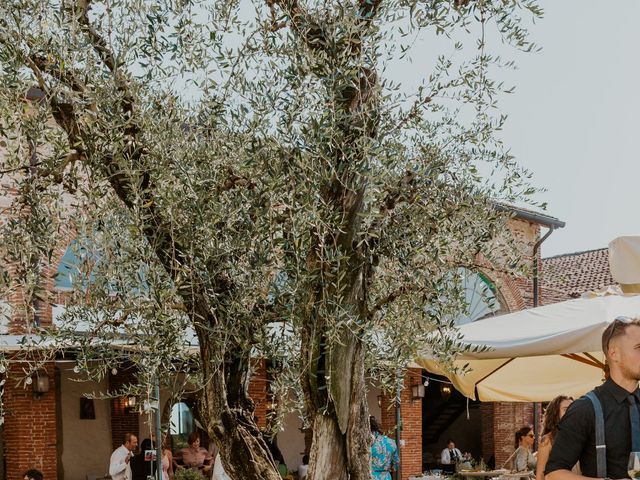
(52,430)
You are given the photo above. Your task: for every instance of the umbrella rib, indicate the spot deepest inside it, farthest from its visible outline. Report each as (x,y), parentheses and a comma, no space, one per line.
(588,355)
(590,360)
(493,371)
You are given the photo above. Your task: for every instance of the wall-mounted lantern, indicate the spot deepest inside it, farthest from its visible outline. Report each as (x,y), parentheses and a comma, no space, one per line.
(40,382)
(417,391)
(445,391)
(130,403)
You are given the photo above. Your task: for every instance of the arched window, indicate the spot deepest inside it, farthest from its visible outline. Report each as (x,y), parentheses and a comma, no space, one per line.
(181,424)
(481,296)
(67,268)
(68,273)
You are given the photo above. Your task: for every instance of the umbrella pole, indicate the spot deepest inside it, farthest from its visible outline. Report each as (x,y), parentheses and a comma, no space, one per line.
(158,423)
(536,422)
(536,247)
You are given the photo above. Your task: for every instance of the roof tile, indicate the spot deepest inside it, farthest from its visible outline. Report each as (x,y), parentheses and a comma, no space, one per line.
(573,274)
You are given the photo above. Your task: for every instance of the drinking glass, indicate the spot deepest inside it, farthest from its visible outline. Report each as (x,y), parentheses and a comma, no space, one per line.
(633,468)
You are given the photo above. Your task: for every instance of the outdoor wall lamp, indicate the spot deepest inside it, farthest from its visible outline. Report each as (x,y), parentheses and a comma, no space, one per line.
(380,401)
(417,391)
(445,391)
(40,384)
(130,403)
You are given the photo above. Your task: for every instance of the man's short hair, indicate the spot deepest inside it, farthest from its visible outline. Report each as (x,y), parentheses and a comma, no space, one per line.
(616,329)
(33,474)
(127,437)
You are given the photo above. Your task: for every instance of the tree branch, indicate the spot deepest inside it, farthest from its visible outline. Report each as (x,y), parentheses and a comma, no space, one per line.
(67,76)
(99,44)
(390,298)
(310,31)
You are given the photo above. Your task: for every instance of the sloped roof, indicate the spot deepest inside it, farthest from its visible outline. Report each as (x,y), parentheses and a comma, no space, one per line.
(573,274)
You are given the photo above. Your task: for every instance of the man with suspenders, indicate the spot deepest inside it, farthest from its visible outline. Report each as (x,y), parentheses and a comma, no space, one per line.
(601,428)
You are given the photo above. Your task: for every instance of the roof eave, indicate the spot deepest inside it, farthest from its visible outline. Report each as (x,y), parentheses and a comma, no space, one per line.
(538,218)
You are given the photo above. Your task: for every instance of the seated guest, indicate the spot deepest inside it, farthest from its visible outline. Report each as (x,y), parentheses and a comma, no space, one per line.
(196,457)
(523,458)
(450,455)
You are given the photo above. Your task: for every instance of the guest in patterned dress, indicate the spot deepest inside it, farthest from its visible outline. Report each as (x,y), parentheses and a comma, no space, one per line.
(384,453)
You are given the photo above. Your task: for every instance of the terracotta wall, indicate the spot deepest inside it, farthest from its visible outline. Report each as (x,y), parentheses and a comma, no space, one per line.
(411,425)
(30,431)
(122,421)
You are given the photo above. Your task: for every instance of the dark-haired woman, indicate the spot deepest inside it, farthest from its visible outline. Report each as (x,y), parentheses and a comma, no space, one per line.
(384,453)
(552,415)
(196,457)
(523,458)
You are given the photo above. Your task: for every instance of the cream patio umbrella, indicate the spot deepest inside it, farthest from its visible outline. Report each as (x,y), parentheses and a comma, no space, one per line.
(538,353)
(624,262)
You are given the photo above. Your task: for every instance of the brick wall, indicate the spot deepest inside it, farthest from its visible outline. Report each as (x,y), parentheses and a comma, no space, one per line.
(486,417)
(258,392)
(508,418)
(411,424)
(122,421)
(30,426)
(40,307)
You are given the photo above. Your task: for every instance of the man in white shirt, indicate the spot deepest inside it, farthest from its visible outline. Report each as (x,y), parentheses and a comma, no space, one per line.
(121,456)
(451,454)
(303,469)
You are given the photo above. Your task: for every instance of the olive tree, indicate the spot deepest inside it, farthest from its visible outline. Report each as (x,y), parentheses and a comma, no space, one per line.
(251,170)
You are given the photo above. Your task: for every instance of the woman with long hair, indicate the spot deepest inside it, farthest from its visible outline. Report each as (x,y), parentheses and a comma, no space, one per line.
(523,458)
(552,415)
(384,453)
(167,458)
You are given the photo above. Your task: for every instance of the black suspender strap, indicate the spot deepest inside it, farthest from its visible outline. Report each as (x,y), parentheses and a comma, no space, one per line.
(601,447)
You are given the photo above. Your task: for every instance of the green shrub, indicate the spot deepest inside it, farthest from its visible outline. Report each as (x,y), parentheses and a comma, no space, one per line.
(187,474)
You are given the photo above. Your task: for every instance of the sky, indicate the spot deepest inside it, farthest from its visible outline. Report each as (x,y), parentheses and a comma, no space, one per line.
(574,120)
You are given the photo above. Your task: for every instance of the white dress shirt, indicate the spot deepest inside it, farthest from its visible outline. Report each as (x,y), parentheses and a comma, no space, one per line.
(218,470)
(445,456)
(117,464)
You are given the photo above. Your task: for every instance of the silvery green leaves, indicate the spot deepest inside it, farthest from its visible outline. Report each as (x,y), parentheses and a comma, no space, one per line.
(251,179)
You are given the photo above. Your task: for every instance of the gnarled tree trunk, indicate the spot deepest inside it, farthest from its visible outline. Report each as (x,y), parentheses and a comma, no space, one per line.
(229,414)
(341,435)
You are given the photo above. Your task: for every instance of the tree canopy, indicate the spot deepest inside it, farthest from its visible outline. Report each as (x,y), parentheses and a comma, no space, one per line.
(251,171)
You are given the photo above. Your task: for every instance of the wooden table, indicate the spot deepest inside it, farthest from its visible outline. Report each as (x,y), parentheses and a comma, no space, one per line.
(495,473)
